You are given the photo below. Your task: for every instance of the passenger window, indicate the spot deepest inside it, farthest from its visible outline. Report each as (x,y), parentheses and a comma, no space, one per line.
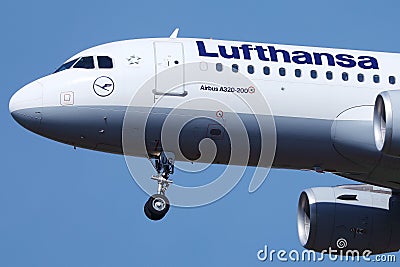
(314,74)
(250,69)
(104,62)
(218,67)
(392,80)
(297,73)
(376,79)
(282,71)
(84,63)
(266,70)
(360,77)
(345,76)
(235,68)
(329,75)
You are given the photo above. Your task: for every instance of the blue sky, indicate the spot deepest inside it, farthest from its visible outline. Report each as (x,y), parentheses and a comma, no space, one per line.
(65,207)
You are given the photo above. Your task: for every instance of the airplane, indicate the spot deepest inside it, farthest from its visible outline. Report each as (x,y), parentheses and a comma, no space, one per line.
(326,110)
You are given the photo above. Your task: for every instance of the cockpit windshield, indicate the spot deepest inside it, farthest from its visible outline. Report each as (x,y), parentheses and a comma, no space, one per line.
(84,63)
(103,62)
(66,65)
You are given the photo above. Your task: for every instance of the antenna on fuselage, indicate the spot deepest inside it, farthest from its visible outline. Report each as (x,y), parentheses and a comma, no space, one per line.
(174,34)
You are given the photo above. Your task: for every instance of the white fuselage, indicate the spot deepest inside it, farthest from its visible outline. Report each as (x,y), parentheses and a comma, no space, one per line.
(322,100)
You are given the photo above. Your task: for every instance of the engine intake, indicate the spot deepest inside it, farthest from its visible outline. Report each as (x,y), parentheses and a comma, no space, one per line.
(387,122)
(355,217)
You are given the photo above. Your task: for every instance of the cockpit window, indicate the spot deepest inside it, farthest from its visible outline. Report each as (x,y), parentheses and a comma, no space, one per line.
(66,65)
(84,63)
(104,62)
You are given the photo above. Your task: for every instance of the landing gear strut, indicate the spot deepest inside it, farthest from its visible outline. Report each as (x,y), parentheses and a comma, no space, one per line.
(158,205)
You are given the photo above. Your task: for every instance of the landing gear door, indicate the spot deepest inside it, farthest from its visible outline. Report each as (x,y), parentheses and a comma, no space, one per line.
(170,72)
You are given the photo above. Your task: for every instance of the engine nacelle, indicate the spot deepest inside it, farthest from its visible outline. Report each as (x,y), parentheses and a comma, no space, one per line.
(387,122)
(354,217)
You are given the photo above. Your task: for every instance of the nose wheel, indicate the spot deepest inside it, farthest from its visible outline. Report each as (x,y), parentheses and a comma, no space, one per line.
(156,207)
(158,204)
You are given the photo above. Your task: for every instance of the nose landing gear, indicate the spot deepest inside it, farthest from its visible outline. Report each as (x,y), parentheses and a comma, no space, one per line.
(158,205)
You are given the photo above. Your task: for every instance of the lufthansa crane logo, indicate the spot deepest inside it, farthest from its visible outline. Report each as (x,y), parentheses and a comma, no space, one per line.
(103,86)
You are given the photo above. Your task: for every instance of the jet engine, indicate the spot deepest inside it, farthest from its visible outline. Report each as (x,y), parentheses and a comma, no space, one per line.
(354,217)
(387,122)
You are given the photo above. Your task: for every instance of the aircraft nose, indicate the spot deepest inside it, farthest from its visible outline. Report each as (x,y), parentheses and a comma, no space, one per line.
(26,106)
